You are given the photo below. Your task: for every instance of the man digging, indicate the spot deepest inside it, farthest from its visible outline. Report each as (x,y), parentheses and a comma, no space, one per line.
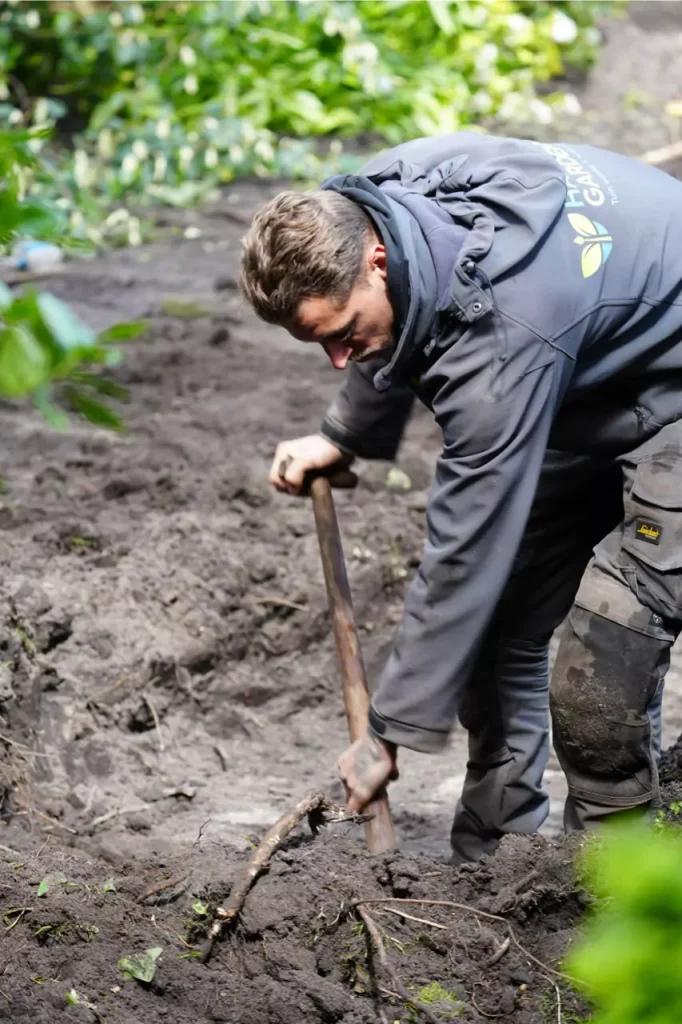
(531,296)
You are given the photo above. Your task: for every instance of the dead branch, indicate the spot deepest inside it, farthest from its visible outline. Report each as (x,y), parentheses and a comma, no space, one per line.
(281,602)
(157,723)
(274,838)
(411,917)
(115,813)
(499,953)
(478,913)
(155,889)
(403,993)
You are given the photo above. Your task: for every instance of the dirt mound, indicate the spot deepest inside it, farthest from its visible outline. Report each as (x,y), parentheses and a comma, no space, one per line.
(298,953)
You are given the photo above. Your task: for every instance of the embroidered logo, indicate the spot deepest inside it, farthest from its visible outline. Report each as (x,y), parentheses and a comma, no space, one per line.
(648,531)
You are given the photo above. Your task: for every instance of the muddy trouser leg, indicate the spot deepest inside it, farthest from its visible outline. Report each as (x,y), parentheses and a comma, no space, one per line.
(607,683)
(505,708)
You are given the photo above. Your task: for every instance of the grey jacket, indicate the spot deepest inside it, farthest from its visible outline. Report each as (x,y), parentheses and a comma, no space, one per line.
(539,303)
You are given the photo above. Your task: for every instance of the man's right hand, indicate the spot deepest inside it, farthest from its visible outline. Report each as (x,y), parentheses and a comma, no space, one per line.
(293,459)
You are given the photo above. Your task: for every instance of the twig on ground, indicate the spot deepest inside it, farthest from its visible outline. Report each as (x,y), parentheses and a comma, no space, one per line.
(222,756)
(10,851)
(469,910)
(496,957)
(56,821)
(283,602)
(202,829)
(403,993)
(157,722)
(411,917)
(115,813)
(274,838)
(22,747)
(156,889)
(559,1018)
(483,1012)
(19,911)
(665,155)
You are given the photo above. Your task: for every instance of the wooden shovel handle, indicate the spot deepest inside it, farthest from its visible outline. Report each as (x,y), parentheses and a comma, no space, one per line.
(379,829)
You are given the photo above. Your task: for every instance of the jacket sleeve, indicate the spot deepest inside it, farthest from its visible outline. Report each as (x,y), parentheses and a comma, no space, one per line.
(364,422)
(495,404)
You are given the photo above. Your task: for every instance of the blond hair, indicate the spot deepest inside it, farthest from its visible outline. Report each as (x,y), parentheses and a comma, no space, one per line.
(302,245)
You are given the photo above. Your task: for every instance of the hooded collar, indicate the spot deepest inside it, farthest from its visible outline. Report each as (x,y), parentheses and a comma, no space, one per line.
(418,275)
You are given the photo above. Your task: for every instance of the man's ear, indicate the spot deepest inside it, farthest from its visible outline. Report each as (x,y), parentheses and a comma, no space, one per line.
(377,260)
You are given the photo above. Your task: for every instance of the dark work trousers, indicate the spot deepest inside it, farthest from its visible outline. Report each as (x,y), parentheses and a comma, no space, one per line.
(506,709)
(607,683)
(622,606)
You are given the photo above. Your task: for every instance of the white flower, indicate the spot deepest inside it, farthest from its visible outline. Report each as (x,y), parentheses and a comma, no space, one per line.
(140,149)
(129,165)
(117,217)
(192,231)
(564,29)
(136,14)
(160,167)
(82,169)
(188,56)
(105,144)
(32,19)
(185,156)
(211,123)
(211,157)
(134,233)
(115,19)
(572,104)
(520,29)
(191,85)
(542,112)
(15,117)
(236,154)
(163,128)
(4,91)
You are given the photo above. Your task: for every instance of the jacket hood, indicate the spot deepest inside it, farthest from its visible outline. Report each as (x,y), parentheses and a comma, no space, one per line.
(422,244)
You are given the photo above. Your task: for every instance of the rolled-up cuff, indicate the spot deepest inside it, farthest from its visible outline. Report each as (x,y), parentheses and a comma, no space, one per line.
(428,741)
(355,444)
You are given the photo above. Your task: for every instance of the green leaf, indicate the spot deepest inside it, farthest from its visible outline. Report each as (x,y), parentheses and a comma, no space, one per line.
(102,385)
(92,410)
(66,327)
(72,998)
(140,966)
(24,363)
(200,908)
(123,332)
(6,296)
(109,886)
(43,888)
(55,416)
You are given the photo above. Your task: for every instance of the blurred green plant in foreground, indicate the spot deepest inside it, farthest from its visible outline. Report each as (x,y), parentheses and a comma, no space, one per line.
(629,960)
(170,99)
(46,351)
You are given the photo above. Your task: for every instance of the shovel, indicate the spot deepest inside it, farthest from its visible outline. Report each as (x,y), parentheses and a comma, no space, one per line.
(379,828)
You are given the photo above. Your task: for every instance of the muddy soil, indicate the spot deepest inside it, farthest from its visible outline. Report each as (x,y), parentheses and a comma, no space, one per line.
(168,684)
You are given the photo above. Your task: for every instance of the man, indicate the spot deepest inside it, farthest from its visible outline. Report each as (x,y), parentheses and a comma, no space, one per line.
(531,296)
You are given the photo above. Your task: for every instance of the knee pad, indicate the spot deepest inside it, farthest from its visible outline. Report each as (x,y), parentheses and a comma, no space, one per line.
(611,660)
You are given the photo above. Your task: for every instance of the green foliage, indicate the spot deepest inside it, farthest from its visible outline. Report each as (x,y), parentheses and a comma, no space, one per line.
(630,957)
(46,351)
(140,966)
(173,98)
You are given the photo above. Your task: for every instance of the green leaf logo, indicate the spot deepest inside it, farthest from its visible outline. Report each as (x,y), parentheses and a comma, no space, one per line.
(596,241)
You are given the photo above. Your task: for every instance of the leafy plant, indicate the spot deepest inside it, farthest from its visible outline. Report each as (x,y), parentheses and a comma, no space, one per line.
(140,966)
(174,98)
(629,960)
(46,351)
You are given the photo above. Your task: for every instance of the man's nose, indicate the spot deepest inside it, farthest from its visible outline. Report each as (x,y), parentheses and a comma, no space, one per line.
(338,353)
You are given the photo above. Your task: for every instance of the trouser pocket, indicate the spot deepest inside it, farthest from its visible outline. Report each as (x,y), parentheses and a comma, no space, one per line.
(651,550)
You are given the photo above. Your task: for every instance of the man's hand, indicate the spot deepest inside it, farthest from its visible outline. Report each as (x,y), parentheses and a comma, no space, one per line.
(293,459)
(365,767)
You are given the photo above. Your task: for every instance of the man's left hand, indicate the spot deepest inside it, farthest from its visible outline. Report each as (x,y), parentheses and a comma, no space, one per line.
(365,768)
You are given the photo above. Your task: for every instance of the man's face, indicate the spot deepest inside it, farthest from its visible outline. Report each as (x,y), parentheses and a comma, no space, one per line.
(357,330)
